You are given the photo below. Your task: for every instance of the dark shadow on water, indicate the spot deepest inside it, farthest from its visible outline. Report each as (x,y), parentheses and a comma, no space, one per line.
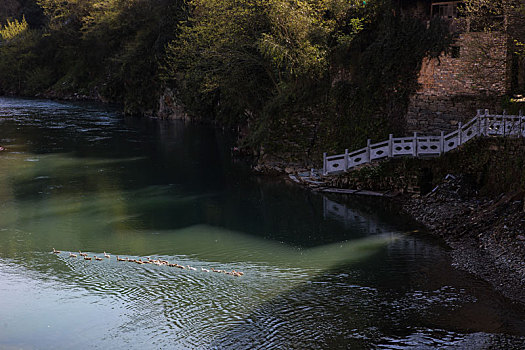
(406,296)
(167,176)
(173,175)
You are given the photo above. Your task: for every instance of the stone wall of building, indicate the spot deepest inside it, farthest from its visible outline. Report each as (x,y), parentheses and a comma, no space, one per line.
(429,115)
(474,75)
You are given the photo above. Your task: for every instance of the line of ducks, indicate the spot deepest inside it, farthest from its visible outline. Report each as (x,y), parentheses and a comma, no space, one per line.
(157,262)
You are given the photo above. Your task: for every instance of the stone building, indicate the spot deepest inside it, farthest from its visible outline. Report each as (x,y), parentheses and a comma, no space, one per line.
(475,73)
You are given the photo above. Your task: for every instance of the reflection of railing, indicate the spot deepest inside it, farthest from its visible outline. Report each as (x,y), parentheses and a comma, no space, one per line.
(352,218)
(416,146)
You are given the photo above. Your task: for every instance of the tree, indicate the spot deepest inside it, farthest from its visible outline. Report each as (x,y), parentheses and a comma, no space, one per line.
(17,43)
(246,59)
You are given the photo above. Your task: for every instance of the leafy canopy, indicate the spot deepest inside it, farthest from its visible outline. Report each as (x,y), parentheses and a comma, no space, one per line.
(13,29)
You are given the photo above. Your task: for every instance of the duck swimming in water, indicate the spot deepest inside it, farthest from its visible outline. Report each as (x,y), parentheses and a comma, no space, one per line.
(56,251)
(149,260)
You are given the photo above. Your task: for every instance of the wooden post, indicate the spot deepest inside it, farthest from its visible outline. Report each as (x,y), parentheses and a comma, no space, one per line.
(346,159)
(442,143)
(390,145)
(414,145)
(324,163)
(368,150)
(460,125)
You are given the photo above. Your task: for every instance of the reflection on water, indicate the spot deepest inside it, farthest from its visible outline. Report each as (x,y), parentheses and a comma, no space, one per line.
(320,272)
(354,218)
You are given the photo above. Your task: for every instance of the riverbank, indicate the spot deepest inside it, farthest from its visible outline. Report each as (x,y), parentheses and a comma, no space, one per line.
(486,235)
(472,198)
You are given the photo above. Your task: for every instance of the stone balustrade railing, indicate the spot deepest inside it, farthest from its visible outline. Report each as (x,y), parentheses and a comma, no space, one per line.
(484,124)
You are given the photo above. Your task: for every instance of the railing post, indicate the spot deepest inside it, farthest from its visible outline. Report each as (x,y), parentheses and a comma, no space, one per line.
(486,122)
(478,116)
(346,159)
(460,125)
(324,163)
(414,145)
(390,145)
(442,143)
(368,150)
(521,117)
(504,123)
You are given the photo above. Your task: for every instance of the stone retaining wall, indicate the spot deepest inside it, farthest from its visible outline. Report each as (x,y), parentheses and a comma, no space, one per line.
(493,165)
(474,75)
(429,115)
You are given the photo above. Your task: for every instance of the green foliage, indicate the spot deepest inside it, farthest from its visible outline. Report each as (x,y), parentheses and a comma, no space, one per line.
(489,15)
(259,62)
(383,64)
(108,48)
(215,62)
(512,106)
(17,52)
(316,74)
(319,74)
(38,79)
(13,29)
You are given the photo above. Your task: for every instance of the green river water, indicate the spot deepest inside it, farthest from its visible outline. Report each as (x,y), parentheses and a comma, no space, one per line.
(319,272)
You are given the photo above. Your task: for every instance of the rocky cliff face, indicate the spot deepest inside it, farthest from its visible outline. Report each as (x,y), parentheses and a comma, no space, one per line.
(169,108)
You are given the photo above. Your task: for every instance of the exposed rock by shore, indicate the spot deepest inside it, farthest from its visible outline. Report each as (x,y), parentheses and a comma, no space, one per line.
(486,233)
(487,236)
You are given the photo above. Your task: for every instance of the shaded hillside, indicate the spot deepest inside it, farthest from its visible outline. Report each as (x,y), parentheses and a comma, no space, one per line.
(295,77)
